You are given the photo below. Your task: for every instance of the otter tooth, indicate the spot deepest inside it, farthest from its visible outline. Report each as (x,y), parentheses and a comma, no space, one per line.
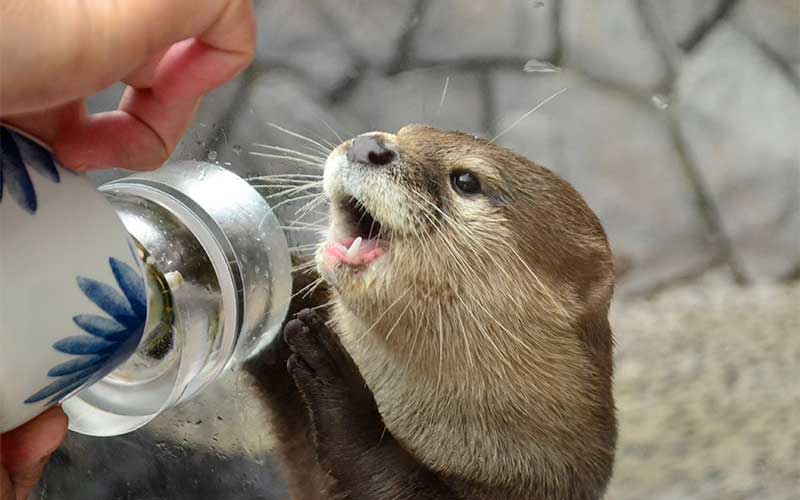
(354,248)
(340,247)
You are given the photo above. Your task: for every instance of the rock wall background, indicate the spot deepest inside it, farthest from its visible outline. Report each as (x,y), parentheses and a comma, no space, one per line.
(680,125)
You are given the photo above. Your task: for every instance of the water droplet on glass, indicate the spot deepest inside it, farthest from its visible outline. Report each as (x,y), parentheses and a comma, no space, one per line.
(537,66)
(660,101)
(237,149)
(537,5)
(212,155)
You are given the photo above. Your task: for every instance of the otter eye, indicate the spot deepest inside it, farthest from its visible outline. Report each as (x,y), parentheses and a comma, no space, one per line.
(465,182)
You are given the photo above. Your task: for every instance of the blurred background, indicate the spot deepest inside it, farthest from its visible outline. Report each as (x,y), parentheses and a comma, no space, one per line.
(680,125)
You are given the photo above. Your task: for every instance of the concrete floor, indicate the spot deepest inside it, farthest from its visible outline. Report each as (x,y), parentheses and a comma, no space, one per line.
(708,393)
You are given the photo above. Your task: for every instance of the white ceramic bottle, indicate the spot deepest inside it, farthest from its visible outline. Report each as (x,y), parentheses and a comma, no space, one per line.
(121,321)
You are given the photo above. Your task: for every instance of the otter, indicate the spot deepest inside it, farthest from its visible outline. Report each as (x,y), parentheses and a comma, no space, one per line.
(467,353)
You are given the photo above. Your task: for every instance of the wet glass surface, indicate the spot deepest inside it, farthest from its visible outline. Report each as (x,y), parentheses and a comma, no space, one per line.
(677,120)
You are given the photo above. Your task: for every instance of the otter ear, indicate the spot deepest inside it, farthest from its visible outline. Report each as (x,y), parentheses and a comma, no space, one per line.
(596,294)
(595,276)
(599,292)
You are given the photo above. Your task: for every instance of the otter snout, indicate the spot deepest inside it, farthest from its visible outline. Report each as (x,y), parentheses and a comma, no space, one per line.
(370,150)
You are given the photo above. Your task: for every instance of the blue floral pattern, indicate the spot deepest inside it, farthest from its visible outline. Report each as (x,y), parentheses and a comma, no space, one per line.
(110,340)
(17,152)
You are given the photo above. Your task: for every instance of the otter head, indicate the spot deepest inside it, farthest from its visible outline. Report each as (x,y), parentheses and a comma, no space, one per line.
(447,220)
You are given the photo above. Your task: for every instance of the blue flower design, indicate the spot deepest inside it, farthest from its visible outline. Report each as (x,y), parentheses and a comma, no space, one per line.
(109,340)
(17,151)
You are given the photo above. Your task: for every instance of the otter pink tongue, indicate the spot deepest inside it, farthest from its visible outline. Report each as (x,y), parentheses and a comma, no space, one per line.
(353,251)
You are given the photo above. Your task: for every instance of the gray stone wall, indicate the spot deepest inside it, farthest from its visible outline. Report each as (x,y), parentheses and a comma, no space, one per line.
(680,123)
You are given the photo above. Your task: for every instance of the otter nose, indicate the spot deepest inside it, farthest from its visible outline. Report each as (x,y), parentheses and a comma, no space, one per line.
(369,150)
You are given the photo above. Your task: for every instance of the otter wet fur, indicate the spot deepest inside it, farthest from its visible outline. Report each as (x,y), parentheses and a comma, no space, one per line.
(467,353)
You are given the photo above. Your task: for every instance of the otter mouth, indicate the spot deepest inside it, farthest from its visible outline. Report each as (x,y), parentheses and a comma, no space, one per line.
(361,222)
(355,238)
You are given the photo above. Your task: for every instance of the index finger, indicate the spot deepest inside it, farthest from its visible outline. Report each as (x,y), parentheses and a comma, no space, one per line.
(98,43)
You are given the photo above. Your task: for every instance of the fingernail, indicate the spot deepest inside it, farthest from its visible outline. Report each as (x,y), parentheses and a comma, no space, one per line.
(82,168)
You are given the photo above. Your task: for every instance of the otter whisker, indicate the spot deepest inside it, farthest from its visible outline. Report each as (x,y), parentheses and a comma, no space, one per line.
(295,198)
(287,179)
(398,299)
(324,305)
(314,288)
(411,350)
(289,175)
(503,358)
(311,205)
(307,246)
(453,252)
(313,196)
(528,348)
(304,248)
(303,212)
(542,103)
(322,222)
(483,249)
(308,289)
(318,136)
(339,137)
(391,330)
(286,195)
(304,225)
(304,266)
(308,156)
(470,361)
(440,335)
(285,188)
(486,251)
(322,148)
(285,157)
(278,191)
(559,307)
(417,231)
(289,185)
(309,229)
(444,93)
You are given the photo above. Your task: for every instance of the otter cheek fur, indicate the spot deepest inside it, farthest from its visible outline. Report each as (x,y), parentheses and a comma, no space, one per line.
(471,357)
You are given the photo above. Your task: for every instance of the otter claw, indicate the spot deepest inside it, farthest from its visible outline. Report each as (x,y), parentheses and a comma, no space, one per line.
(311,341)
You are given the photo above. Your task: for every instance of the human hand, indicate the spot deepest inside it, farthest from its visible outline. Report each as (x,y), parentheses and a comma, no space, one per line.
(25,450)
(54,53)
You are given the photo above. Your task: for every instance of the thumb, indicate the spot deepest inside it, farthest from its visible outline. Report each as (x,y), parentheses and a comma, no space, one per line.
(25,450)
(6,489)
(19,486)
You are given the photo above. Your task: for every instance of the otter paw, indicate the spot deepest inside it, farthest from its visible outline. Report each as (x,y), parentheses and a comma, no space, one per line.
(341,407)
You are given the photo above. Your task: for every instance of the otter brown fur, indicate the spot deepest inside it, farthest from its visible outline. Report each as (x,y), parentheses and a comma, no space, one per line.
(473,357)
